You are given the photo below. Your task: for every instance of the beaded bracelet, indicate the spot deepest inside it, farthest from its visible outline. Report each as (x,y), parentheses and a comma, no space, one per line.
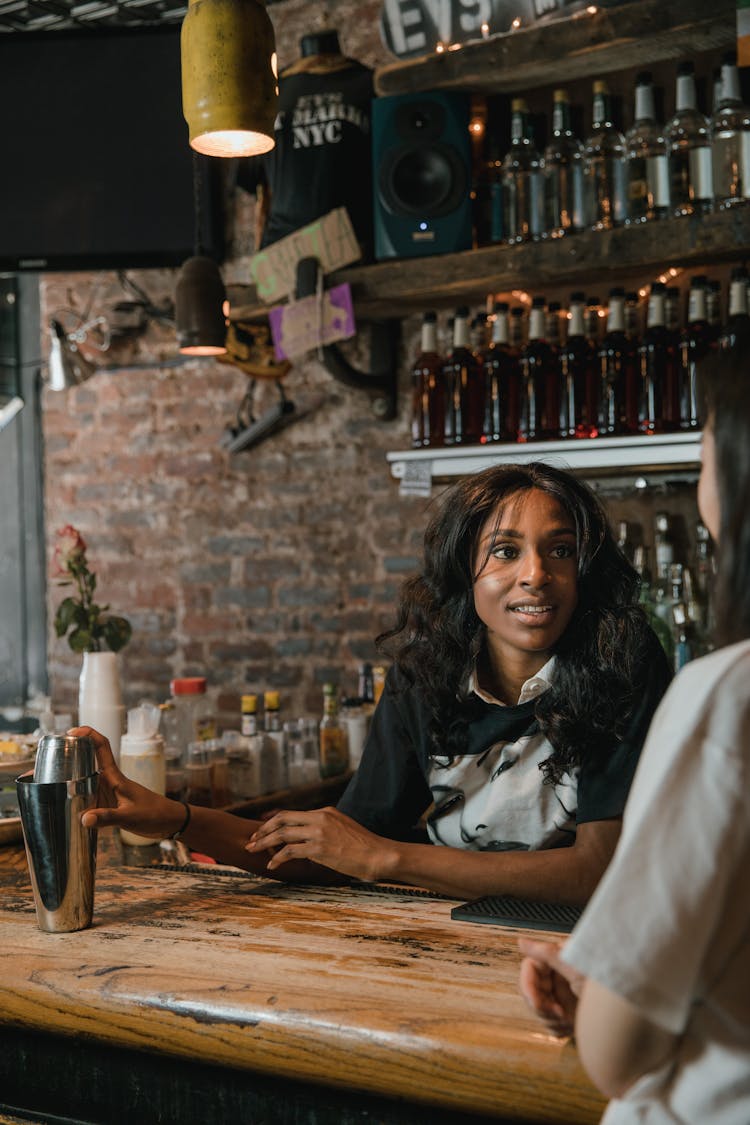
(183,827)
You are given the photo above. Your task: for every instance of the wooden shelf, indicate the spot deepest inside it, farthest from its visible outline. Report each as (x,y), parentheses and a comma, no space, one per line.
(398,288)
(600,456)
(577,46)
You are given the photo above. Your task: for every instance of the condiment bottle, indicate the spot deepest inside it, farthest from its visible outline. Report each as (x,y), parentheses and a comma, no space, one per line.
(334,748)
(142,758)
(195,720)
(275,734)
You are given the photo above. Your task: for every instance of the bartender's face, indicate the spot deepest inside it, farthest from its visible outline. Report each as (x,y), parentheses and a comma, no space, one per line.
(708,486)
(526,591)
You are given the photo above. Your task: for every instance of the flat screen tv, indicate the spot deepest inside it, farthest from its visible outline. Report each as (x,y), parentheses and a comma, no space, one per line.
(96,169)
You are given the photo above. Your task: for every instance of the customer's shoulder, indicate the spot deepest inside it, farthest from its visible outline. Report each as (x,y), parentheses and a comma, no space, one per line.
(717,685)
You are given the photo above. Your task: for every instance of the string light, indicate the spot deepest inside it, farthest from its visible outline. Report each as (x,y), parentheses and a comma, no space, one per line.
(516,24)
(592,9)
(485,31)
(476,127)
(455,47)
(439,47)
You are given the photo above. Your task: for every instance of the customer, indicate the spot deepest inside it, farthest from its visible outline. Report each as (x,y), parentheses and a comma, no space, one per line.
(656,975)
(525,677)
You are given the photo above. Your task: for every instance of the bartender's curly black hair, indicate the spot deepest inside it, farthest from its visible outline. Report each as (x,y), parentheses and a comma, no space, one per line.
(438,634)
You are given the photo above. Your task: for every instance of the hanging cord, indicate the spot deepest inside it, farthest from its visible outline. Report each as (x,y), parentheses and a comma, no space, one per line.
(198,247)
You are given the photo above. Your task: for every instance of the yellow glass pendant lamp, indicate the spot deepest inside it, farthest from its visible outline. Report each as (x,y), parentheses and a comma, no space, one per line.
(229,92)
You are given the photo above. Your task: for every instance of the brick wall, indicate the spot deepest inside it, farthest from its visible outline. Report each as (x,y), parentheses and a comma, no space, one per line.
(275,567)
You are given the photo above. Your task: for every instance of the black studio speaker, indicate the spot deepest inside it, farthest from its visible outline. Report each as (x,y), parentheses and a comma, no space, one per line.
(422,174)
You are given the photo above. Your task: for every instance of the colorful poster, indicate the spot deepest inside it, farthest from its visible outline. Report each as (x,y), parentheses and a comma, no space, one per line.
(302,326)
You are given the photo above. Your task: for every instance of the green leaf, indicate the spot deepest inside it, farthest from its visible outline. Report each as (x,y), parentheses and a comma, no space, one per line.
(117,632)
(65,616)
(80,640)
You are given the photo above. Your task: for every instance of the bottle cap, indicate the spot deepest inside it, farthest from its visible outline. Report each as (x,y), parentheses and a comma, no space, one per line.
(330,689)
(188,685)
(685,67)
(600,86)
(249,704)
(271,701)
(430,317)
(560,96)
(518,105)
(644,78)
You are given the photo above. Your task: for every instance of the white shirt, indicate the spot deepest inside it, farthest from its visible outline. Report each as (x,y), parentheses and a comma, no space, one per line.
(668,928)
(496,801)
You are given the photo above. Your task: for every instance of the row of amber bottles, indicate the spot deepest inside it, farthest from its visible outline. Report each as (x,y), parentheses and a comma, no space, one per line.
(496,387)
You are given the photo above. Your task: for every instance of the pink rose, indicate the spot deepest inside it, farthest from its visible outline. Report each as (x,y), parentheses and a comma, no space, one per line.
(71,548)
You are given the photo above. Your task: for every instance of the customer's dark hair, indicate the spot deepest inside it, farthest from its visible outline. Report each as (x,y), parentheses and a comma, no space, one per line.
(724,389)
(438,633)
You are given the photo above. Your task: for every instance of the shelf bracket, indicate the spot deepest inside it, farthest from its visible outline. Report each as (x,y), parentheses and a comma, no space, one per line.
(381,382)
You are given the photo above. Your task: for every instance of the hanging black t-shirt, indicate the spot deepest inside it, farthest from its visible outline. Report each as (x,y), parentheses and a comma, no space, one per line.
(322,157)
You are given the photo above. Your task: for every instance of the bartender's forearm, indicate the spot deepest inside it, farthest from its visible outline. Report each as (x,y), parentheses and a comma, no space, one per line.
(223,836)
(565,875)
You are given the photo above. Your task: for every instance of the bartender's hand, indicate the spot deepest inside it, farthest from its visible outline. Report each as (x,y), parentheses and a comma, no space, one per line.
(327,837)
(549,986)
(130,805)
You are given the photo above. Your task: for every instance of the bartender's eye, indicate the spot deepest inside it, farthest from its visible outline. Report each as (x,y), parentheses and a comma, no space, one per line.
(505,551)
(563,551)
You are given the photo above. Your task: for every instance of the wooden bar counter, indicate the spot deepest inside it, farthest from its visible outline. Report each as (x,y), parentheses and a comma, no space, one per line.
(214,998)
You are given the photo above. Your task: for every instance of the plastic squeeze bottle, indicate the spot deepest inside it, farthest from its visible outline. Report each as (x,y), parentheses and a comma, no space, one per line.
(142,758)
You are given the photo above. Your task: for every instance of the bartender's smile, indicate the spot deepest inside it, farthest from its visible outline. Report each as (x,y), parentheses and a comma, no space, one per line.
(525,590)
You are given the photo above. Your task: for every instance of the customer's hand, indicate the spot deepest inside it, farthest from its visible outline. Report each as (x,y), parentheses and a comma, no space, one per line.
(549,986)
(128,805)
(325,836)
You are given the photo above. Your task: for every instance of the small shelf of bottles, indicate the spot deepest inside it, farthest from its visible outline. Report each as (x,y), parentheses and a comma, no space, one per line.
(599,455)
(593,40)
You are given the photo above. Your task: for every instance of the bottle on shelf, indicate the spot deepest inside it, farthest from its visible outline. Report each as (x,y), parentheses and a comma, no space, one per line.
(713,308)
(552,325)
(704,581)
(632,315)
(664,557)
(625,541)
(696,340)
(244,756)
(563,173)
(517,328)
(540,386)
(689,146)
(502,382)
(366,685)
(355,720)
(658,362)
(738,319)
(618,387)
(730,141)
(488,200)
(194,718)
(274,731)
(672,318)
(334,749)
(428,410)
(683,633)
(604,165)
(578,377)
(647,601)
(463,387)
(523,180)
(647,168)
(593,321)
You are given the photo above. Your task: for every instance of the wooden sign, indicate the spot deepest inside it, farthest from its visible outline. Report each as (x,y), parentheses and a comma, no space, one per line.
(417,27)
(330,239)
(743,32)
(301,326)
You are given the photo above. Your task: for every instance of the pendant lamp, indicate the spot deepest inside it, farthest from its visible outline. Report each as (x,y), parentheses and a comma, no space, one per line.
(229,91)
(199,308)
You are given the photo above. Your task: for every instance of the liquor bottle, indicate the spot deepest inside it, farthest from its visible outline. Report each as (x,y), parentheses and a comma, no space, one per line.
(632,322)
(658,362)
(463,387)
(540,388)
(618,390)
(563,173)
(428,409)
(730,141)
(672,308)
(604,167)
(695,341)
(523,180)
(502,381)
(517,315)
(713,308)
(334,747)
(738,319)
(647,161)
(624,540)
(689,145)
(664,556)
(552,326)
(593,321)
(488,200)
(704,581)
(578,377)
(682,627)
(365,685)
(647,601)
(277,774)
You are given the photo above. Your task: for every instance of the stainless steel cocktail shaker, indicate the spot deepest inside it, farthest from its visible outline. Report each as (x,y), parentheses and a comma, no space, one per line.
(61,853)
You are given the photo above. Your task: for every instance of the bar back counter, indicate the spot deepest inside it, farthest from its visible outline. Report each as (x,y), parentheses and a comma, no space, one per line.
(214,998)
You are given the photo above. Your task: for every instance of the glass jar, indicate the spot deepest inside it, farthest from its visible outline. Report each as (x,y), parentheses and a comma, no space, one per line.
(198,774)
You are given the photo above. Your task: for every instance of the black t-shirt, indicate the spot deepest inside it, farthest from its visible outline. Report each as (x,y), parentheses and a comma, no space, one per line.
(322,157)
(493,797)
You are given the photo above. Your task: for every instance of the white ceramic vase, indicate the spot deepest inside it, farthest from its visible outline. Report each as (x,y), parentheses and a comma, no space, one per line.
(100,699)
